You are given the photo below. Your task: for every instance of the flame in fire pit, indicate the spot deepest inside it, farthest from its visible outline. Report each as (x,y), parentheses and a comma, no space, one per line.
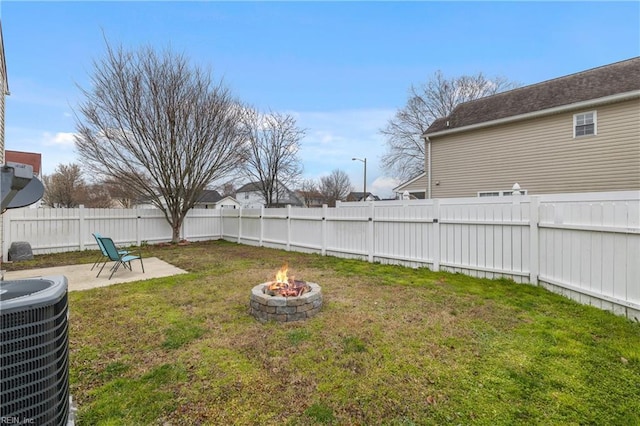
(286,286)
(282,275)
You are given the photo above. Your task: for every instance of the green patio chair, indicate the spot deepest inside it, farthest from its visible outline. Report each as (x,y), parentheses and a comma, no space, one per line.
(103,253)
(119,259)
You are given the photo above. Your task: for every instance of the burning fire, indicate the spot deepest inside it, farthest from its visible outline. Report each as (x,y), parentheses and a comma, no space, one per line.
(286,286)
(282,276)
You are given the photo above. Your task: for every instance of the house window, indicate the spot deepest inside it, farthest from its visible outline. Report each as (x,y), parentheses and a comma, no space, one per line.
(509,193)
(506,193)
(584,124)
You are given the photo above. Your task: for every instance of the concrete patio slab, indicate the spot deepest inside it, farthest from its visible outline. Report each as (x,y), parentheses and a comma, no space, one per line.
(81,277)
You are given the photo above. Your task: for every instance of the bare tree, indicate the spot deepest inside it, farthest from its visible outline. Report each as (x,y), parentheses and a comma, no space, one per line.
(309,191)
(335,187)
(227,189)
(65,187)
(96,196)
(272,143)
(405,154)
(119,193)
(159,127)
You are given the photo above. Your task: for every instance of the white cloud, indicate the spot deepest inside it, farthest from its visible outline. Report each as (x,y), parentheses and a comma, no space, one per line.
(383,186)
(323,137)
(56,148)
(333,138)
(61,139)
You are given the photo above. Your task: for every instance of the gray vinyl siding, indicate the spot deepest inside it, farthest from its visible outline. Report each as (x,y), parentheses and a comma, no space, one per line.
(4,90)
(2,103)
(542,155)
(419,185)
(3,80)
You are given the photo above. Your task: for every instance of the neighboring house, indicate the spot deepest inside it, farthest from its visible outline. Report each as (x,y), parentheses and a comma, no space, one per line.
(250,197)
(32,159)
(211,199)
(413,189)
(359,196)
(578,133)
(311,198)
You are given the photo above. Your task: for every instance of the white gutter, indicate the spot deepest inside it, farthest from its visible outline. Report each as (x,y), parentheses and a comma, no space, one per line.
(620,97)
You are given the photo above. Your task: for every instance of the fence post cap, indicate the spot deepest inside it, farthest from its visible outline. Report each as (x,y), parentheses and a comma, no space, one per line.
(516,189)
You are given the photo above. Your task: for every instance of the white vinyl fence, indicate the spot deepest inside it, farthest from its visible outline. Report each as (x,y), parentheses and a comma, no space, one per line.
(58,230)
(584,246)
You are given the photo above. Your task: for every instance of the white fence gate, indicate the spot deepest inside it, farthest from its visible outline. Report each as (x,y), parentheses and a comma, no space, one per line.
(584,246)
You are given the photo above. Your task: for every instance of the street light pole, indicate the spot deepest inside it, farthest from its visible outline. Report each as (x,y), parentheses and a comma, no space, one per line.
(364,160)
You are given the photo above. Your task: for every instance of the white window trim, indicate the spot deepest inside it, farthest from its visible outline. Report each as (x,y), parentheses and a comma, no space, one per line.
(595,123)
(505,193)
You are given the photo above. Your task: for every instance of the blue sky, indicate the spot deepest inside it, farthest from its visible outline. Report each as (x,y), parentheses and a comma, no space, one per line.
(341,68)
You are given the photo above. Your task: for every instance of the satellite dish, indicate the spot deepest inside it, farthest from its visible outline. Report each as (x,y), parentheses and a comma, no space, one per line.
(19,187)
(28,195)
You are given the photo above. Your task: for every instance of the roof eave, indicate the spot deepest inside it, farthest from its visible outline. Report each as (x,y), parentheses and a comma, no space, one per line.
(3,64)
(409,182)
(620,97)
(228,198)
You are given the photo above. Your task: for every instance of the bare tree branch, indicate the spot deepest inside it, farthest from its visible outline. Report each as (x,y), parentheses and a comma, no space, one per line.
(272,141)
(335,187)
(405,154)
(65,187)
(309,191)
(158,126)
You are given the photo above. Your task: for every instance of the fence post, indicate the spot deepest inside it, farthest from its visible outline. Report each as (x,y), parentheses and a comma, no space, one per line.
(371,231)
(221,224)
(136,211)
(323,249)
(239,225)
(435,243)
(81,226)
(534,239)
(261,224)
(288,227)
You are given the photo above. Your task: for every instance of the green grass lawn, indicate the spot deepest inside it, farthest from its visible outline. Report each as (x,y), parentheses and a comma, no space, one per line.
(391,346)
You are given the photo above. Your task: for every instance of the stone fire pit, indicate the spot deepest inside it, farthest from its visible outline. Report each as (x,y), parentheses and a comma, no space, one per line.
(265,307)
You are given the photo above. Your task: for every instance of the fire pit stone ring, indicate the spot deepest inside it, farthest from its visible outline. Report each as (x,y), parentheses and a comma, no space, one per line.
(265,307)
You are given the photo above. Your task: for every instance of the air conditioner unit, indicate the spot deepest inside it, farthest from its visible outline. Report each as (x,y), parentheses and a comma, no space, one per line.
(34,351)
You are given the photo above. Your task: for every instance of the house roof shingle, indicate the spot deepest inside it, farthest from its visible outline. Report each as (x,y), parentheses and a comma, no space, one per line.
(358,196)
(250,187)
(619,77)
(209,196)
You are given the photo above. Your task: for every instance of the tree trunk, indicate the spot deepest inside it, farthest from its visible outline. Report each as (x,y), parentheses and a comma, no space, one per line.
(175,236)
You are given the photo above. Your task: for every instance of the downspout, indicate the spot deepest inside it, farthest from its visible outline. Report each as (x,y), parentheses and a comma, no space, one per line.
(427,141)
